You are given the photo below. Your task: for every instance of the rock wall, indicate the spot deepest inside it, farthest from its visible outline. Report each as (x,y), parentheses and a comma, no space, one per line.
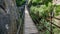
(10,14)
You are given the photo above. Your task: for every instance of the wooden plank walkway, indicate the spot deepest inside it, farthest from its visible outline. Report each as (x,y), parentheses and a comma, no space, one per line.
(29,26)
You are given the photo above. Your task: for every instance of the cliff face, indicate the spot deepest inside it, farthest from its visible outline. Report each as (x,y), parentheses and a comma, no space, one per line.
(10,15)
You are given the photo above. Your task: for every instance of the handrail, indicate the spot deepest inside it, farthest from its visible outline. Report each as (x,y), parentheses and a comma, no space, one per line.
(56,18)
(44,26)
(53,23)
(21,23)
(49,22)
(38,21)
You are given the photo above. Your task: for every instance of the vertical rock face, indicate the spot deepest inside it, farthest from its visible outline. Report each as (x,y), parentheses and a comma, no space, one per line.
(8,19)
(4,20)
(2,5)
(4,23)
(11,7)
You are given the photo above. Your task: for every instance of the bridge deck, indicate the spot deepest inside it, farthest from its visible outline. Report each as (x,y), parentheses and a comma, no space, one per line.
(29,26)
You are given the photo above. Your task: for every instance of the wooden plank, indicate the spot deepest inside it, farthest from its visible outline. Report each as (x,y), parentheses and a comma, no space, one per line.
(29,26)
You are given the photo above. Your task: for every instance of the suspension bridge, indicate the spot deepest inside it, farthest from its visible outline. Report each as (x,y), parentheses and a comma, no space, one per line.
(29,26)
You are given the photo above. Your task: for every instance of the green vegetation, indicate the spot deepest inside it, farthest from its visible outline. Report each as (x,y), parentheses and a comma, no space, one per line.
(57,10)
(20,2)
(40,11)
